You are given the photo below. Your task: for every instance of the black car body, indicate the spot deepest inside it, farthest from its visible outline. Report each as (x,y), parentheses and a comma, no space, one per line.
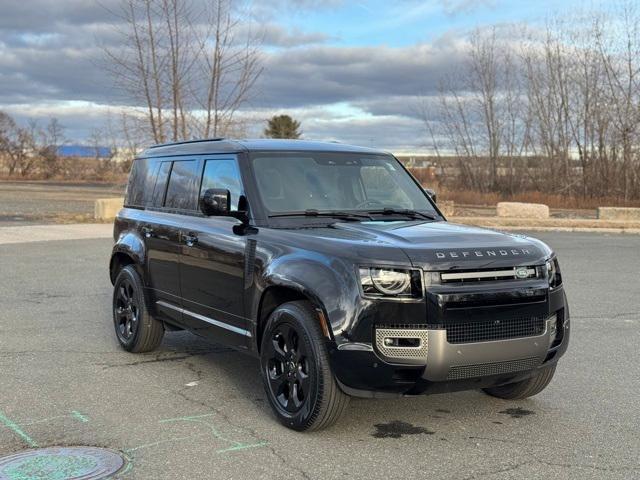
(479,309)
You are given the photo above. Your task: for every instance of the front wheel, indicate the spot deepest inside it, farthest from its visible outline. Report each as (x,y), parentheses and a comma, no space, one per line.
(526,388)
(295,369)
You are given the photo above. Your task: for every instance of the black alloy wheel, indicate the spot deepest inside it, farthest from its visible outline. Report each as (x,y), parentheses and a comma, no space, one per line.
(127,311)
(288,368)
(137,331)
(296,374)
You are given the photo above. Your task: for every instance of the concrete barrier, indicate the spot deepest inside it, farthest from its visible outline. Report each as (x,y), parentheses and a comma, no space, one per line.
(522,210)
(619,213)
(107,208)
(447,207)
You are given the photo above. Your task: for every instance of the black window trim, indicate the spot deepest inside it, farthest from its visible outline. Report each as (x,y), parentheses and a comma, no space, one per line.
(166,185)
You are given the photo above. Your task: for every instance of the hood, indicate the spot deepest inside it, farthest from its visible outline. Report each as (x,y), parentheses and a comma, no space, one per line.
(444,245)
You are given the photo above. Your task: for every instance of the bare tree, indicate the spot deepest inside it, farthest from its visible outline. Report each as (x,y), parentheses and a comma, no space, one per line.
(559,114)
(51,138)
(189,65)
(481,114)
(619,55)
(17,145)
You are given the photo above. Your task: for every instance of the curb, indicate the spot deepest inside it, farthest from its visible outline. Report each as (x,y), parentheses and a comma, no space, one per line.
(510,228)
(48,233)
(551,224)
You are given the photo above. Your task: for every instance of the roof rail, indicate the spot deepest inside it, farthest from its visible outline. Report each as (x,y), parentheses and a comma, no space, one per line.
(216,139)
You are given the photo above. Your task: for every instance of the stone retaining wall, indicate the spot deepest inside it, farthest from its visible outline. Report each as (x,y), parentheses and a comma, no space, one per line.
(107,208)
(522,210)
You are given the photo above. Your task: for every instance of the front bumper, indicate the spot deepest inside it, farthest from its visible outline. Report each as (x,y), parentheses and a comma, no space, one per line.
(362,370)
(446,361)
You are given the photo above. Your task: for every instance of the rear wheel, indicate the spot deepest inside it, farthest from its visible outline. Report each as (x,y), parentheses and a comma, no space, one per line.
(526,388)
(136,330)
(295,369)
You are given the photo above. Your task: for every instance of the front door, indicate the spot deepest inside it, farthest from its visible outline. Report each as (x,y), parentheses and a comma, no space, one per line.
(212,263)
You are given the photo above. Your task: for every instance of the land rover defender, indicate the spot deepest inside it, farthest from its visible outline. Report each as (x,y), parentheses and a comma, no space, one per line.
(336,269)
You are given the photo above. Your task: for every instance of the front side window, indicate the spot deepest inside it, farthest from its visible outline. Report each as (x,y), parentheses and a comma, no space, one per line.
(183,184)
(223,174)
(320,181)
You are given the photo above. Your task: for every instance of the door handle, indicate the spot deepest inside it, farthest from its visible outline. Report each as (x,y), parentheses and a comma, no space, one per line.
(147,232)
(190,239)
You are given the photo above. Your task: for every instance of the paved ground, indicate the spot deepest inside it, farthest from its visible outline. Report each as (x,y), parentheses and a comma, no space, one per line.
(50,202)
(196,411)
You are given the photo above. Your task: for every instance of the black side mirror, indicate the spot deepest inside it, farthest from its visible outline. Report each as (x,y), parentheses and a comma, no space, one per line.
(432,194)
(215,201)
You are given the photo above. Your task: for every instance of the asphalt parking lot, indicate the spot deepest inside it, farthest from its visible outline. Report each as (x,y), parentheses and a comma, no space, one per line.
(193,410)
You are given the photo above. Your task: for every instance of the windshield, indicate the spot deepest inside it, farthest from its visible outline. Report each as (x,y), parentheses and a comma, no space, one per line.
(302,181)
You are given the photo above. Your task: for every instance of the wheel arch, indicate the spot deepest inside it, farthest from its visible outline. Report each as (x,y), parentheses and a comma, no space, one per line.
(128,250)
(275,295)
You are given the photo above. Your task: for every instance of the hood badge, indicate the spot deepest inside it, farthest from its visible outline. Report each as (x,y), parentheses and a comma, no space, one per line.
(502,252)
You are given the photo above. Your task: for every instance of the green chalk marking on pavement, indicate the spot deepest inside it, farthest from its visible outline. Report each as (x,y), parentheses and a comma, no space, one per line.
(186,419)
(79,416)
(242,446)
(168,440)
(214,432)
(15,428)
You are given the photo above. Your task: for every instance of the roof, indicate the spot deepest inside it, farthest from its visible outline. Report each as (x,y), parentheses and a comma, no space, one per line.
(223,145)
(83,151)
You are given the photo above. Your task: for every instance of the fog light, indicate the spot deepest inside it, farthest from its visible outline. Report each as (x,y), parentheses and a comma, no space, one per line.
(400,342)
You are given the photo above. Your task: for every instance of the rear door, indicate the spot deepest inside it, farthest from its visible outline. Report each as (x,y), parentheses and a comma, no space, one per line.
(212,261)
(174,196)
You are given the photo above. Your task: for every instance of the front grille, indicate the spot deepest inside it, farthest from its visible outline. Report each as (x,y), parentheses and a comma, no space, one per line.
(495,329)
(486,369)
(491,275)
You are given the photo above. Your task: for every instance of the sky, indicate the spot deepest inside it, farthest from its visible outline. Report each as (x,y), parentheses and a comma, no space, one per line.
(350,71)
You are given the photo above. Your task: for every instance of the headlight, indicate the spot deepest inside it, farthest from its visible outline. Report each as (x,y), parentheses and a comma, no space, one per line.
(553,273)
(389,282)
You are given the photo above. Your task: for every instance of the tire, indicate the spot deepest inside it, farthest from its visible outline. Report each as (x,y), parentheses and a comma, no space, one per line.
(136,330)
(295,369)
(524,389)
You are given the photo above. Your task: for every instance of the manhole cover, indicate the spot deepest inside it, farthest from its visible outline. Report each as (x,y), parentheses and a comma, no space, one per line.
(60,463)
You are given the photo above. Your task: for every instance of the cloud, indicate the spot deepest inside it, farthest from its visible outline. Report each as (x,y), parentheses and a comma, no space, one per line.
(51,64)
(328,74)
(274,35)
(460,7)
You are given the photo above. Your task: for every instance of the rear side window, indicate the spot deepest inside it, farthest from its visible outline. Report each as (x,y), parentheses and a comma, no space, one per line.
(161,184)
(183,185)
(223,174)
(141,182)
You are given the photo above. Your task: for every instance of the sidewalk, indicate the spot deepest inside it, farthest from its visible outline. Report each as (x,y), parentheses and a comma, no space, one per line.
(46,233)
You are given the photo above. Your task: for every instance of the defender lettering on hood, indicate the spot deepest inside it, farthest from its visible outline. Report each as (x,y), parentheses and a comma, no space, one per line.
(502,252)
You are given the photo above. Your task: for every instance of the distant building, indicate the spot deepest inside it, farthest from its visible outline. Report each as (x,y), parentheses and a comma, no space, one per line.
(84,151)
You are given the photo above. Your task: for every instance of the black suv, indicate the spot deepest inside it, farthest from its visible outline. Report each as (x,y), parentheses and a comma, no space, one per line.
(336,269)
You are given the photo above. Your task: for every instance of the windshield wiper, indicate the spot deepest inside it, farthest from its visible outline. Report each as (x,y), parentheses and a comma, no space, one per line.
(354,217)
(403,211)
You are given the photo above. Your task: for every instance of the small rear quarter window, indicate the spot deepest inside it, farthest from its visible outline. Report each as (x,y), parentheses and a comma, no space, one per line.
(141,182)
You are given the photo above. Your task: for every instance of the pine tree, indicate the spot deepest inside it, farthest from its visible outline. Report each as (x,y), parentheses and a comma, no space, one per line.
(282,126)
